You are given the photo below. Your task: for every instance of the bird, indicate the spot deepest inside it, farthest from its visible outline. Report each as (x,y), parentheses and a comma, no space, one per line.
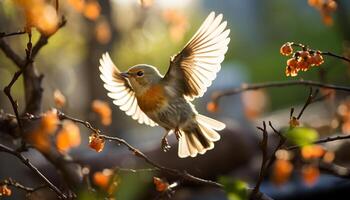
(166,100)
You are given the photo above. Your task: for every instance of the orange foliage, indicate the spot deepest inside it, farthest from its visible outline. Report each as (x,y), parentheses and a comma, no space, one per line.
(102,179)
(97,143)
(326,8)
(40,15)
(68,136)
(282,170)
(92,10)
(329,157)
(78,5)
(212,107)
(103,110)
(49,122)
(254,103)
(161,185)
(5,191)
(312,152)
(103,32)
(344,113)
(310,174)
(178,24)
(39,137)
(59,98)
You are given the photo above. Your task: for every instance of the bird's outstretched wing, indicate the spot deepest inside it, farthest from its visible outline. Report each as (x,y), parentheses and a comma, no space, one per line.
(121,91)
(192,70)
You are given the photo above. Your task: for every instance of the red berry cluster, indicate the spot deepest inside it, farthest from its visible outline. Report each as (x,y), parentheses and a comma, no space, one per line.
(301,60)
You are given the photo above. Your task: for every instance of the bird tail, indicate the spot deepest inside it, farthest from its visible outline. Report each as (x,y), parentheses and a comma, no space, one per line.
(200,139)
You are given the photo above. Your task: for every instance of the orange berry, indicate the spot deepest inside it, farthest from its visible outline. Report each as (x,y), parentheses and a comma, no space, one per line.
(97,143)
(315,3)
(317,59)
(59,98)
(5,191)
(49,122)
(286,49)
(310,174)
(212,107)
(161,185)
(103,110)
(312,151)
(304,54)
(303,65)
(294,122)
(292,62)
(102,179)
(68,136)
(330,6)
(282,170)
(291,71)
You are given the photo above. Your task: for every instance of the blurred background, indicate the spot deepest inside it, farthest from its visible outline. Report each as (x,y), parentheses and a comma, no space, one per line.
(150,31)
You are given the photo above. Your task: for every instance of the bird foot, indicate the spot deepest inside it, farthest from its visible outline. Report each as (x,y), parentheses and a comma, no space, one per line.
(165,145)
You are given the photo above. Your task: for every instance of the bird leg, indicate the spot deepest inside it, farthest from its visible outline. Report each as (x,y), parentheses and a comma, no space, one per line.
(165,144)
(177,133)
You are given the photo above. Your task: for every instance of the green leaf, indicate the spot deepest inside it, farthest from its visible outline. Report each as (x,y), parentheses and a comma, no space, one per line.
(235,189)
(301,135)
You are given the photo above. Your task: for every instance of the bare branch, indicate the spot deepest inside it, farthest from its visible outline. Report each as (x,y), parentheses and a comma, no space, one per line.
(11,182)
(182,174)
(244,87)
(20,32)
(324,140)
(26,161)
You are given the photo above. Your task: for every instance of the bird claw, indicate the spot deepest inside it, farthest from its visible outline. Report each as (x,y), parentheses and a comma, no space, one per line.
(165,145)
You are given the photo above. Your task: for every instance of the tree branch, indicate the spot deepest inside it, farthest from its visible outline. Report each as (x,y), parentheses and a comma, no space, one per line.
(25,161)
(324,140)
(245,87)
(182,174)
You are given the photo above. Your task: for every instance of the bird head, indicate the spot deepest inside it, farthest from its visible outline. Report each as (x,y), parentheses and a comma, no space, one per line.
(142,76)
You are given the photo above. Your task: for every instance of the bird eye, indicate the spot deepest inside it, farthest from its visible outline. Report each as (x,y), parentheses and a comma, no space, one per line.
(139,73)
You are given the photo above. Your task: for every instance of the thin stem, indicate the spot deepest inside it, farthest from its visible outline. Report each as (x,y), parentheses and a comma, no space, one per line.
(244,87)
(20,32)
(324,140)
(26,161)
(183,174)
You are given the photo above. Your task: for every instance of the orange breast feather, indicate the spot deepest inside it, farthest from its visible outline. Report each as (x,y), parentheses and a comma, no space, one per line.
(153,99)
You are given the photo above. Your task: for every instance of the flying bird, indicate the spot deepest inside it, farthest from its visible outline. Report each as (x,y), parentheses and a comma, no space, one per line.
(157,100)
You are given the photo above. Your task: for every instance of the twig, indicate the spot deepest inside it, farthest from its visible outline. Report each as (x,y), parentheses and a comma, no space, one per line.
(263,147)
(7,89)
(308,101)
(182,174)
(266,160)
(11,54)
(11,182)
(244,87)
(25,161)
(2,34)
(305,47)
(324,140)
(43,40)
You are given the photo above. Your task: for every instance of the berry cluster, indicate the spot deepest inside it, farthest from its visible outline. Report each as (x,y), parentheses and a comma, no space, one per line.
(326,8)
(301,60)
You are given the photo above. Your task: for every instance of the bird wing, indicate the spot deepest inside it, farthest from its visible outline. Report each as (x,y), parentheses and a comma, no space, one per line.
(120,91)
(193,69)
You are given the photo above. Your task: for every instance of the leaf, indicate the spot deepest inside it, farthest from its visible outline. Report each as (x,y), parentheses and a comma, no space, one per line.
(235,189)
(301,135)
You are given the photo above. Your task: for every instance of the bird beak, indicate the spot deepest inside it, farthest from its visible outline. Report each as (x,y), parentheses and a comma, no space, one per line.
(125,74)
